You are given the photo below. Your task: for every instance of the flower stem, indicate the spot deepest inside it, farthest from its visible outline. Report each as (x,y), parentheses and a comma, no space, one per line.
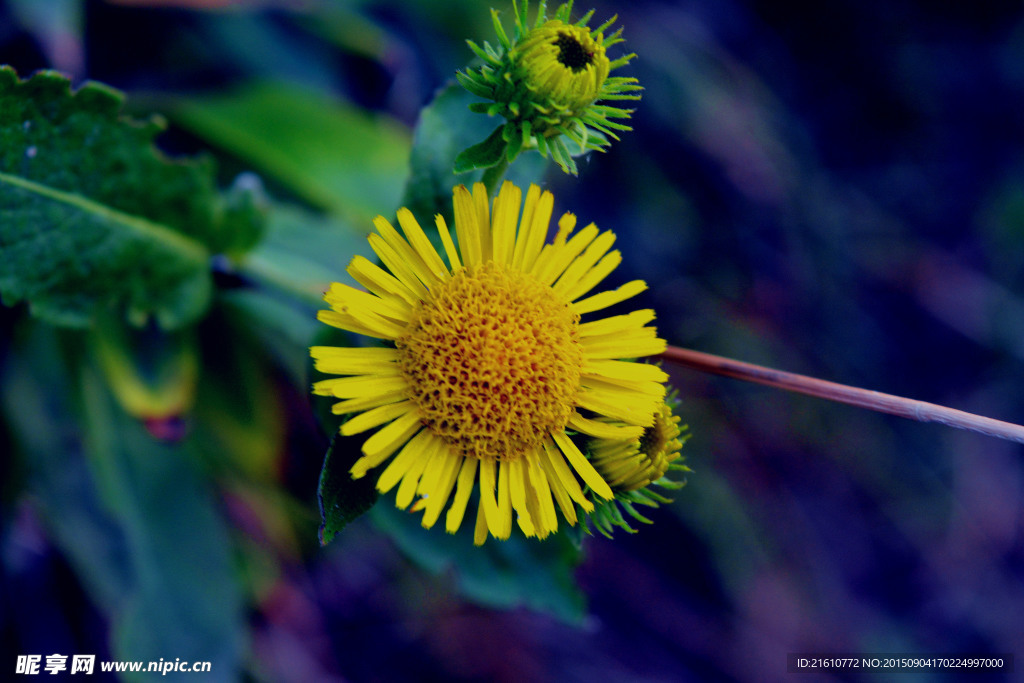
(493,175)
(841,393)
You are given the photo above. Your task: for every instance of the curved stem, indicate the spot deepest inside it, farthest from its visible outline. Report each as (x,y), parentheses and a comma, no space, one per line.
(841,393)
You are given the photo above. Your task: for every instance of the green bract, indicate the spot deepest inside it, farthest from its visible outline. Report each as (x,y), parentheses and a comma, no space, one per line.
(546,81)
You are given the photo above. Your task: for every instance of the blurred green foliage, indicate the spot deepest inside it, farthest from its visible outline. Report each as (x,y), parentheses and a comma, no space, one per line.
(137,516)
(297,137)
(167,316)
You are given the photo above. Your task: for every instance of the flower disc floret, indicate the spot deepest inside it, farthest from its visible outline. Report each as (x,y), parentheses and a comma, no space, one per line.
(493,361)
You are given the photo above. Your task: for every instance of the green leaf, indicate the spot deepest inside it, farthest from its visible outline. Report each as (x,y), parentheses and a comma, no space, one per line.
(342,498)
(331,154)
(519,572)
(446,127)
(301,254)
(94,218)
(36,396)
(483,154)
(138,524)
(72,259)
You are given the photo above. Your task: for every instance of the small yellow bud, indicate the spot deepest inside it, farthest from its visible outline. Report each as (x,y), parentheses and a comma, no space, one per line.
(547,81)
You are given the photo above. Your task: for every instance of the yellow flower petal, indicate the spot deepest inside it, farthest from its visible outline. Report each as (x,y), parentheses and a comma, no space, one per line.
(415,449)
(506,214)
(376,417)
(421,244)
(610,298)
(467,477)
(388,439)
(604,430)
(582,466)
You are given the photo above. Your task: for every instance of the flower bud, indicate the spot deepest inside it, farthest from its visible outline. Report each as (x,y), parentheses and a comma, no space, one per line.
(547,82)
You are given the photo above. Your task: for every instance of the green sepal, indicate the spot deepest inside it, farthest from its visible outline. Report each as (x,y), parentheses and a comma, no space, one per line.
(561,156)
(483,154)
(473,85)
(484,53)
(445,128)
(500,30)
(514,137)
(628,507)
(342,498)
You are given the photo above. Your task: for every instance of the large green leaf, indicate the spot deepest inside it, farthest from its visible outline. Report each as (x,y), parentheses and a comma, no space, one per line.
(186,598)
(519,572)
(133,515)
(331,154)
(93,217)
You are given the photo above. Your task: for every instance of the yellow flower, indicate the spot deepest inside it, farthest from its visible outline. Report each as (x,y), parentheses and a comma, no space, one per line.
(632,466)
(490,364)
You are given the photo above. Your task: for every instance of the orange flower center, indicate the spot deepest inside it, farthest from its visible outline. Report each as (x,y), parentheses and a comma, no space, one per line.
(493,361)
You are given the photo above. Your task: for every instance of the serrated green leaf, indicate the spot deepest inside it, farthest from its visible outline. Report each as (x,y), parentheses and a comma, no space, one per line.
(73,259)
(79,143)
(342,498)
(519,572)
(483,154)
(331,154)
(93,217)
